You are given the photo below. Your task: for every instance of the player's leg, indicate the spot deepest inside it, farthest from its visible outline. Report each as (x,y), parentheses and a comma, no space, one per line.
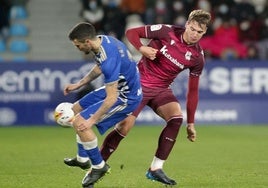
(169,109)
(113,139)
(90,144)
(117,113)
(82,160)
(171,112)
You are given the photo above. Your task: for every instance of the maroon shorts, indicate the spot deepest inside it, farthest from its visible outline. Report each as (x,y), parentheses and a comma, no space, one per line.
(154,98)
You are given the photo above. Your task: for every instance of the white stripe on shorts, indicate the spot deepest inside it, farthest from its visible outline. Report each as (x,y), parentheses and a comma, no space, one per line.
(113,111)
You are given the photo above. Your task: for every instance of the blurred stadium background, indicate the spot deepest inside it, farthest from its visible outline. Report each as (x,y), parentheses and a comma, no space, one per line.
(37,59)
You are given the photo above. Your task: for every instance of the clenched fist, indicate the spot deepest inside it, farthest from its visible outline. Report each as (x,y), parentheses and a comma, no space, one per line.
(191,132)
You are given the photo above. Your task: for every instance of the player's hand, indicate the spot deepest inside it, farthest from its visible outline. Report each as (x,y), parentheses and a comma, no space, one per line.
(81,127)
(70,87)
(191,132)
(86,124)
(148,52)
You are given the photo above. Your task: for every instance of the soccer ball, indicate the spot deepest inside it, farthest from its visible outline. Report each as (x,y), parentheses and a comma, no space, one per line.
(64,114)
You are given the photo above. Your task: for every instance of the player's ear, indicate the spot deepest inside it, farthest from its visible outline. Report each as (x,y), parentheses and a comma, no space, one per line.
(88,41)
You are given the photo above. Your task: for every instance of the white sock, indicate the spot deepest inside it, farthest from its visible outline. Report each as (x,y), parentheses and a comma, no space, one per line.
(99,166)
(157,163)
(82,159)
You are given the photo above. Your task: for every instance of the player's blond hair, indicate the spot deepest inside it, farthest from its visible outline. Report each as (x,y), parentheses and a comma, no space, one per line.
(200,16)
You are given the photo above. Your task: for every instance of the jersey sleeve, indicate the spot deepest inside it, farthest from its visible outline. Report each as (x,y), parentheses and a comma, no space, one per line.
(134,34)
(198,68)
(158,31)
(192,98)
(147,32)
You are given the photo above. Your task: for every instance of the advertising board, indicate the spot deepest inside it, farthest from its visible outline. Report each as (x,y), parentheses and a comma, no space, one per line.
(230,92)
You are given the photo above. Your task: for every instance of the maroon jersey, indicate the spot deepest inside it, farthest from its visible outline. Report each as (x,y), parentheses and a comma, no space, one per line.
(173,56)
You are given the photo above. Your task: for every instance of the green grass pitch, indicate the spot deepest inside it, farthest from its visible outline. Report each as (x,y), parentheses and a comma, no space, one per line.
(222,157)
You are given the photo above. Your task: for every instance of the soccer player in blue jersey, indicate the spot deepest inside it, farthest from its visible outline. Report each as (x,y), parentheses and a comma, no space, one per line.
(108,105)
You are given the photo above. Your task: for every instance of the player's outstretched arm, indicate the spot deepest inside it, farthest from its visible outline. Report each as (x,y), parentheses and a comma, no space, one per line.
(191,105)
(94,73)
(70,87)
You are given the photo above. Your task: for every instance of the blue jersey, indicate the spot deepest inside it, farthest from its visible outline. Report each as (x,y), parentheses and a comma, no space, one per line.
(117,64)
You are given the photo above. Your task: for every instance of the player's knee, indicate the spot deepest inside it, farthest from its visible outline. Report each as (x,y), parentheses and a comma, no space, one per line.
(125,126)
(78,120)
(175,123)
(77,108)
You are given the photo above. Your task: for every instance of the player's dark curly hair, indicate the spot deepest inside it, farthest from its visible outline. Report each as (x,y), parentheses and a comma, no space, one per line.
(82,31)
(200,16)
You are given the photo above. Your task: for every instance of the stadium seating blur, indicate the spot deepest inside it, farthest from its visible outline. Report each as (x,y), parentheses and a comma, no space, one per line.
(18,46)
(40,28)
(2,49)
(2,46)
(18,12)
(15,47)
(18,29)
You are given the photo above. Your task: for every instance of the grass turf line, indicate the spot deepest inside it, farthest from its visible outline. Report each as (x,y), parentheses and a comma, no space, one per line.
(222,157)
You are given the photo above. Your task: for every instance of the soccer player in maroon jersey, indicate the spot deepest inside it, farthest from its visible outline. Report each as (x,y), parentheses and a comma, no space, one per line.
(171,50)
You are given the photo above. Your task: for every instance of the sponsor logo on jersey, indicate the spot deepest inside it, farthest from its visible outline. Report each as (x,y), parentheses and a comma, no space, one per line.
(164,51)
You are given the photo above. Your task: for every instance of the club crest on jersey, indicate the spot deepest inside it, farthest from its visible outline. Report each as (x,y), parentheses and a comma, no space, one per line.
(188,55)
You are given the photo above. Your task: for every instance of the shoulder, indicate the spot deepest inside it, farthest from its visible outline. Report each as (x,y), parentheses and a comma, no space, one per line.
(107,40)
(166,28)
(158,27)
(178,30)
(162,31)
(199,50)
(109,45)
